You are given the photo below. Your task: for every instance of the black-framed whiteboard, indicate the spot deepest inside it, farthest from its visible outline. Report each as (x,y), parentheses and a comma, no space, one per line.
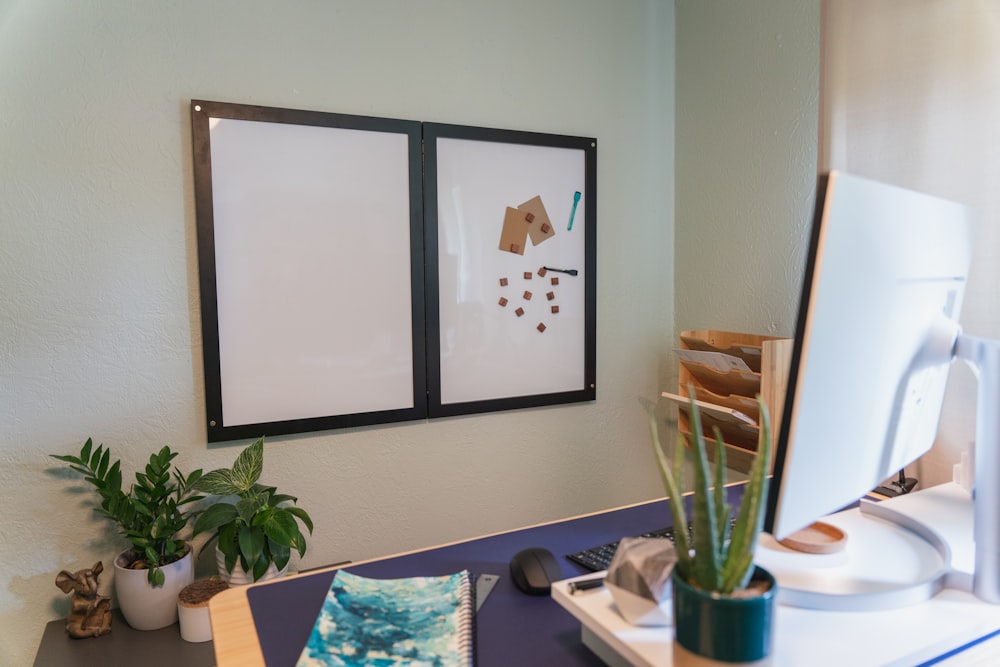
(311,269)
(511,259)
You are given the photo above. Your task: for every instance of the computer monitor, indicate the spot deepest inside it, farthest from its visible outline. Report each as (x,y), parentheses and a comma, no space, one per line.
(876,333)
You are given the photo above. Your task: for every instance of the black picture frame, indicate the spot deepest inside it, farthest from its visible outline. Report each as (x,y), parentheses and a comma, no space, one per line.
(481,357)
(289,379)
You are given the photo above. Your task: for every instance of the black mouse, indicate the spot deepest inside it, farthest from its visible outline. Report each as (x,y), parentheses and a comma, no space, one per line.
(534,569)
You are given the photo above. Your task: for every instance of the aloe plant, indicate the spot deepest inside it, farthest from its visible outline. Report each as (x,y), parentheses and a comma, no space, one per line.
(718,556)
(254,524)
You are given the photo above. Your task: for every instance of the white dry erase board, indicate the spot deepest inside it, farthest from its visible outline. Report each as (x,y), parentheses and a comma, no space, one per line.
(511,244)
(358,270)
(311,263)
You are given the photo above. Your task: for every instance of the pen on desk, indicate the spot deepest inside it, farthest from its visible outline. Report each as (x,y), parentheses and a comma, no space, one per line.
(571,272)
(585,585)
(572,214)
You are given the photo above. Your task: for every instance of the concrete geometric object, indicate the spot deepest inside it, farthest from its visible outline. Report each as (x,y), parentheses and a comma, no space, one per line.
(639,580)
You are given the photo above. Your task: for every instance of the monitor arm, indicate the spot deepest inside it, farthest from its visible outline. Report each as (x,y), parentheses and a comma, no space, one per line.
(984,358)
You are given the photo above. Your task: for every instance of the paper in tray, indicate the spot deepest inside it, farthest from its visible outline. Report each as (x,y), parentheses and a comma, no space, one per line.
(746,383)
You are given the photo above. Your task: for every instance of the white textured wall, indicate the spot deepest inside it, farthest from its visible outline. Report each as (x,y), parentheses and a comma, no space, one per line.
(99,313)
(747,109)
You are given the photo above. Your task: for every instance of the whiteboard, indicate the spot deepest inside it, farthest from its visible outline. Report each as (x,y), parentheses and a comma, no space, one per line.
(310,255)
(506,330)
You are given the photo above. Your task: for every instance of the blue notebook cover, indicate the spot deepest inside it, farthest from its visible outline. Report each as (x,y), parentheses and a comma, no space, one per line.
(383,622)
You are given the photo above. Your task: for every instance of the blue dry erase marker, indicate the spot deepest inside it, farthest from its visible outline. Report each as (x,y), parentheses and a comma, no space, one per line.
(572,214)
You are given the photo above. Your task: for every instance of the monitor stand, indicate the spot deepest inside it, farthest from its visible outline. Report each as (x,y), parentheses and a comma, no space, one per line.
(898,552)
(906,549)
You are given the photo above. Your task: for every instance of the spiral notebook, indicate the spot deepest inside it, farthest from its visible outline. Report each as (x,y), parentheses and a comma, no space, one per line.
(422,620)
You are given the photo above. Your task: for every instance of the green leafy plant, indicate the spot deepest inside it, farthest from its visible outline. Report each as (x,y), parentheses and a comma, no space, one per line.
(718,557)
(253,523)
(150,512)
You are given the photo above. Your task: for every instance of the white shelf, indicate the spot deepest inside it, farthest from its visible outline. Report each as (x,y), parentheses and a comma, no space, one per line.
(897,637)
(927,627)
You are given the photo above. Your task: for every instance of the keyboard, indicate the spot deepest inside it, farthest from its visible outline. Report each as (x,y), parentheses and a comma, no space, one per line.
(599,558)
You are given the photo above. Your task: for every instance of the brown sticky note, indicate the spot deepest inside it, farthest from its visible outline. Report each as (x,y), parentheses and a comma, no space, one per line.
(543,230)
(514,234)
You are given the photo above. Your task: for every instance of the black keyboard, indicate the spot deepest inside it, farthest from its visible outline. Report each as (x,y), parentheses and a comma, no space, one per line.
(599,558)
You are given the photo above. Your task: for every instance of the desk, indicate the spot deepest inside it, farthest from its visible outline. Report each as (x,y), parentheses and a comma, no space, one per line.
(513,628)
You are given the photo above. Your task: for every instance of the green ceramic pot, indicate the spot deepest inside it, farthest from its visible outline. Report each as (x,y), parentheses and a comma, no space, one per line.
(730,629)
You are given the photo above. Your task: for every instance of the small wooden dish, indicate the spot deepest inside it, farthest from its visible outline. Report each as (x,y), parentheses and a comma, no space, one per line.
(818,538)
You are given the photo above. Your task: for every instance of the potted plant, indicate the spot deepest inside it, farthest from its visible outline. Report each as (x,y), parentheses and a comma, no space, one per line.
(149,514)
(723,604)
(256,526)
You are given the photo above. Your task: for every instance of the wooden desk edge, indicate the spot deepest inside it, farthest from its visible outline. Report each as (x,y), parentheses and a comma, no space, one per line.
(233,631)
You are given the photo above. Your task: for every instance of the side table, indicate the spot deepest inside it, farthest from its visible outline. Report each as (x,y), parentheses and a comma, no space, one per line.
(124,646)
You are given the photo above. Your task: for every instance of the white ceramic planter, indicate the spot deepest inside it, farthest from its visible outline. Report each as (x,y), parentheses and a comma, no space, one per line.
(146,607)
(239,576)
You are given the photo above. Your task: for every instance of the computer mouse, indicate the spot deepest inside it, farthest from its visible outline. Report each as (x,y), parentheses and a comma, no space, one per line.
(534,569)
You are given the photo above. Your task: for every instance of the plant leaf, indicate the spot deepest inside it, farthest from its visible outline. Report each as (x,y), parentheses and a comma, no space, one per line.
(218,483)
(249,465)
(215,516)
(251,540)
(684,562)
(280,527)
(301,514)
(85,451)
(750,518)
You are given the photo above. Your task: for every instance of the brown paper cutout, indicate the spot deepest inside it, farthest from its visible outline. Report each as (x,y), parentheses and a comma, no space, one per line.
(515,231)
(540,229)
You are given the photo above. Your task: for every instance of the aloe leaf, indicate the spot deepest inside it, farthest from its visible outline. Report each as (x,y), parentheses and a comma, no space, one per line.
(682,540)
(684,561)
(722,508)
(750,519)
(707,560)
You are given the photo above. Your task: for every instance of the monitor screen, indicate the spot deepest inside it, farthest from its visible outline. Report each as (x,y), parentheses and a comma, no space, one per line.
(885,267)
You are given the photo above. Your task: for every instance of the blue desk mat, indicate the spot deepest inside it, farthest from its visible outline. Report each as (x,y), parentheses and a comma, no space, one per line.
(512,628)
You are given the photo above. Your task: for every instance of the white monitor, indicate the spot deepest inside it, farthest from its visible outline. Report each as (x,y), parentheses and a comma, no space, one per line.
(876,333)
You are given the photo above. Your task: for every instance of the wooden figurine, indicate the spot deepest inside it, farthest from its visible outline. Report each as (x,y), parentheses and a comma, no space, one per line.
(90,613)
